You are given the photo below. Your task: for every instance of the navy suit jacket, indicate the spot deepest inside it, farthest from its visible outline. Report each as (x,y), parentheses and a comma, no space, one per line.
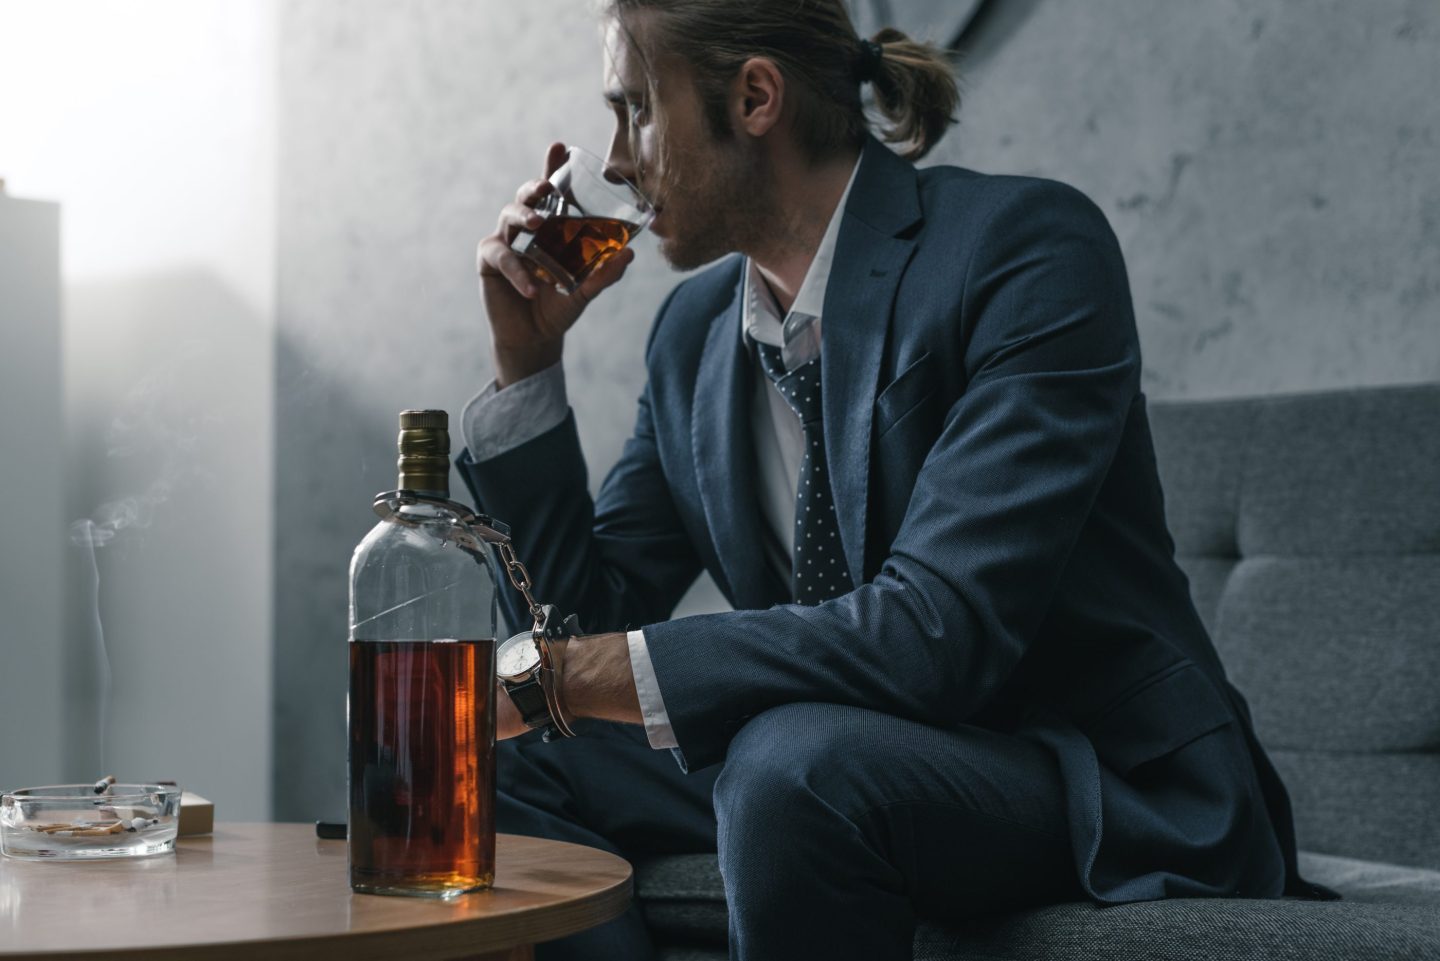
(999,510)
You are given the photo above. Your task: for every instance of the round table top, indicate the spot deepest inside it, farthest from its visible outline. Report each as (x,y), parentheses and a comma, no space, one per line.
(275,891)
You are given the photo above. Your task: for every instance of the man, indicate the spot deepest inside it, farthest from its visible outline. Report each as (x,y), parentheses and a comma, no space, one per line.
(902,430)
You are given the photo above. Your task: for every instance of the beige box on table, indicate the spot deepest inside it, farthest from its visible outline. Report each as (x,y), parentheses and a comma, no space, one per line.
(197,815)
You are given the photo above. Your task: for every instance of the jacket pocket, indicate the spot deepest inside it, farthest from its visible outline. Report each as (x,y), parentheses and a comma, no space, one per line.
(1162,715)
(909,389)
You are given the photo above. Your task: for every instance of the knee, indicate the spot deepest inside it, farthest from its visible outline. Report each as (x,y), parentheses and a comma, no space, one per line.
(789,764)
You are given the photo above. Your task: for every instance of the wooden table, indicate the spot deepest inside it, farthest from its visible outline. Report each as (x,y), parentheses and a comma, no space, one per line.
(273,891)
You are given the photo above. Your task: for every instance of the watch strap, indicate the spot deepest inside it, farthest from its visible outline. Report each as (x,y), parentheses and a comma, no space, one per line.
(529,699)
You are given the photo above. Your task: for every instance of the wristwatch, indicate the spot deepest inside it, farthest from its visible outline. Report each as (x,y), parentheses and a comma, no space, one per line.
(529,667)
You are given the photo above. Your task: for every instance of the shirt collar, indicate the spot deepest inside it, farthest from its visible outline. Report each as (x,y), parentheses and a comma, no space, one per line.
(798,333)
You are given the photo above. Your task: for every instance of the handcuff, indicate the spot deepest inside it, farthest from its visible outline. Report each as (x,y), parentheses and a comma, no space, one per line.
(530,664)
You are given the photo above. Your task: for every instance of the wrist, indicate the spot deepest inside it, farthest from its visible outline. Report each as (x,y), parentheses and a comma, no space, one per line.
(597,680)
(515,363)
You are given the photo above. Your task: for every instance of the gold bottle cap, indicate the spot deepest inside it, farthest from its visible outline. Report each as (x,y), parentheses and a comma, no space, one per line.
(425,451)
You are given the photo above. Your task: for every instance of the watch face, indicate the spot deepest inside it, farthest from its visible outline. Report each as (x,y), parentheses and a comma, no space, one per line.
(517,655)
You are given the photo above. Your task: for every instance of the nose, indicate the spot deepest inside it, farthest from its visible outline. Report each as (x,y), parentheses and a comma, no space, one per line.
(620,157)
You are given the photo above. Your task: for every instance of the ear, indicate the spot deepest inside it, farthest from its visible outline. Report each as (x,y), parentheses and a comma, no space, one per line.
(757,97)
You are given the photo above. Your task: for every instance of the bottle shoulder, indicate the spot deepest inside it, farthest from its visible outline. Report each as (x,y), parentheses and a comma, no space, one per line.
(413,582)
(424,545)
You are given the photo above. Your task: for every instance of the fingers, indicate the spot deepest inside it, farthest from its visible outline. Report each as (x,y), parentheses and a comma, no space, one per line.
(554,157)
(515,218)
(494,255)
(606,274)
(533,190)
(496,259)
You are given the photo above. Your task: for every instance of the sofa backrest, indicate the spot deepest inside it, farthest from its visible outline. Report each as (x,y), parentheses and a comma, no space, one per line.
(1309,526)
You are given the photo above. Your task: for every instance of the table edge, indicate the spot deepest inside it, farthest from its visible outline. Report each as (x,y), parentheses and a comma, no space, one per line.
(443,941)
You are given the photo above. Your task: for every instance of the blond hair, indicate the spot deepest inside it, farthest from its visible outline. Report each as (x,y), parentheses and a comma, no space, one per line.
(814,44)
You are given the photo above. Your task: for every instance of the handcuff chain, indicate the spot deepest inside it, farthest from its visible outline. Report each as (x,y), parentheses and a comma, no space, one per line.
(470,530)
(520,577)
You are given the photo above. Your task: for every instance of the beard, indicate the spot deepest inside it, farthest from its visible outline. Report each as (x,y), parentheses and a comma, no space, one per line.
(719,201)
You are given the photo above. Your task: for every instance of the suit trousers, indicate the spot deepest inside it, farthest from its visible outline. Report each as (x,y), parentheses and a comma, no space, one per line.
(837,828)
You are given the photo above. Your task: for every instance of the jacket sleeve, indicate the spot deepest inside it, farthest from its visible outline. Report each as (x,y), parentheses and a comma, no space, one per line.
(619,561)
(1051,365)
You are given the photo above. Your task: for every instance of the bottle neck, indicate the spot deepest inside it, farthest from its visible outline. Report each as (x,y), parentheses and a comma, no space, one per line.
(424,461)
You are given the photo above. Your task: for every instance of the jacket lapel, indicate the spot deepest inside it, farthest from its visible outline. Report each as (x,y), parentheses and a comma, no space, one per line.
(869,261)
(725,462)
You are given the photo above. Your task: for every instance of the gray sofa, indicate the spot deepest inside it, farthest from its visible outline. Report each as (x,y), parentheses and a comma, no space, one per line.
(1309,526)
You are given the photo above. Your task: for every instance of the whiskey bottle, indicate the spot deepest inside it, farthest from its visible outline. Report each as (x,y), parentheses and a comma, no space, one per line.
(422,683)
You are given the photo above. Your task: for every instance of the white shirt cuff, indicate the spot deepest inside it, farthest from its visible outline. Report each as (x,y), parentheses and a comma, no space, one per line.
(496,421)
(652,705)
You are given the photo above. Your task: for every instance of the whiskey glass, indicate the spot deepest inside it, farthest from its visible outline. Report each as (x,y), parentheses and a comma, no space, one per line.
(590,213)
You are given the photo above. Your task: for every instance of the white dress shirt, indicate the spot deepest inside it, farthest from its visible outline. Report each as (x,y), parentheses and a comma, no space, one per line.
(496,421)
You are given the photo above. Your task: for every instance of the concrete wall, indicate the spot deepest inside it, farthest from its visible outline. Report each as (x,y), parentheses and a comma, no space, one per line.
(1268,165)
(153,125)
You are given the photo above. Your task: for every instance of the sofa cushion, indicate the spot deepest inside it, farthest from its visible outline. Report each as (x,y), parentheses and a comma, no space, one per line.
(1388,913)
(1349,472)
(1335,472)
(683,898)
(1309,527)
(1331,793)
(1336,653)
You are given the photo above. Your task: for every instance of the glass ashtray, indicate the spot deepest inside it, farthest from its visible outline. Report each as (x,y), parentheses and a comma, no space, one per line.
(71,822)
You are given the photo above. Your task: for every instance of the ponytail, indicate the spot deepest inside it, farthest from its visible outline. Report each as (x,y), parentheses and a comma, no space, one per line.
(915,91)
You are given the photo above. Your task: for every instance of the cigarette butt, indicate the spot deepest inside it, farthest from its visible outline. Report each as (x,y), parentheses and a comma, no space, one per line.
(103,785)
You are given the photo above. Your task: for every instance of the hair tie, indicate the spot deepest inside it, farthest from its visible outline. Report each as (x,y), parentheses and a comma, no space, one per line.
(869,63)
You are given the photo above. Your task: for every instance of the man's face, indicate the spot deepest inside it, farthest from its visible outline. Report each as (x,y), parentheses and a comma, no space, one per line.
(709,193)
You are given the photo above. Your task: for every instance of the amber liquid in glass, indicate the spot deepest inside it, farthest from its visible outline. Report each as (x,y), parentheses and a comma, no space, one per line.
(566,249)
(422,767)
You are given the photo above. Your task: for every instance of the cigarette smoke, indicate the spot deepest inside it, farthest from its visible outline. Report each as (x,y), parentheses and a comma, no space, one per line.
(87,535)
(159,425)
(155,424)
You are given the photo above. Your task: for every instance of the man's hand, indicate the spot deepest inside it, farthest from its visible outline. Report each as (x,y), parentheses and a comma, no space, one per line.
(507,716)
(596,682)
(528,318)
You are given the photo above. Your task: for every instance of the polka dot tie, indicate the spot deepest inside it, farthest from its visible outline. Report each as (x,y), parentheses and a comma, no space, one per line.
(818,570)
